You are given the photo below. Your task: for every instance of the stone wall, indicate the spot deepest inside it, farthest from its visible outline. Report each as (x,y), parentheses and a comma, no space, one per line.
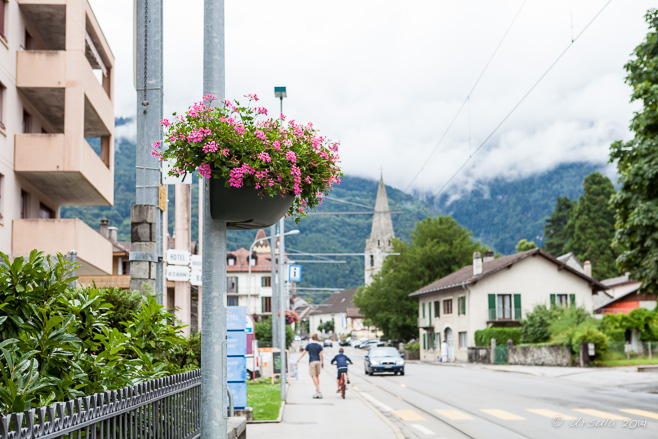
(481,354)
(554,355)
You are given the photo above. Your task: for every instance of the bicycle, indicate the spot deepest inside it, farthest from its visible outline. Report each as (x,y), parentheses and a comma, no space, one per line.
(343,383)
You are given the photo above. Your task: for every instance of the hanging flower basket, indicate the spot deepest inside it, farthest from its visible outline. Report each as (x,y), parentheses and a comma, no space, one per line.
(260,169)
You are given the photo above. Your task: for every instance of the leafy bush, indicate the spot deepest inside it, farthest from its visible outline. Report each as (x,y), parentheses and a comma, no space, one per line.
(263,333)
(641,320)
(483,337)
(60,343)
(573,326)
(535,327)
(415,346)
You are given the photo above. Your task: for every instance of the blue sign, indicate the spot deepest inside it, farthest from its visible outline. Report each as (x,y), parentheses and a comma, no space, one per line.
(236,318)
(236,369)
(295,273)
(239,393)
(236,343)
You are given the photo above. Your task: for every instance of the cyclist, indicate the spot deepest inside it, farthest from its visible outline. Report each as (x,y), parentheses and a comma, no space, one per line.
(341,361)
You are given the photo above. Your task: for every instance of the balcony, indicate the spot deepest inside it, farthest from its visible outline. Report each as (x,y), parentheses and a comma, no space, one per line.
(62,236)
(65,169)
(48,17)
(424,322)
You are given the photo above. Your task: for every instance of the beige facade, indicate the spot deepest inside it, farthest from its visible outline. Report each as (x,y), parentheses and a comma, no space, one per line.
(499,296)
(56,101)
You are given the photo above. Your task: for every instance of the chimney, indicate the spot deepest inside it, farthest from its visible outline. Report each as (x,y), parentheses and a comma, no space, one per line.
(113,233)
(104,228)
(488,256)
(477,264)
(587,266)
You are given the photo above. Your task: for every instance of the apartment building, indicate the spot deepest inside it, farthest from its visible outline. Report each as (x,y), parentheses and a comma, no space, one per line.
(56,128)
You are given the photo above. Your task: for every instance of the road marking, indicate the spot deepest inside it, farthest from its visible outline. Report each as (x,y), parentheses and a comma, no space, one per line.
(375,402)
(424,430)
(454,415)
(602,414)
(646,414)
(551,414)
(502,414)
(408,415)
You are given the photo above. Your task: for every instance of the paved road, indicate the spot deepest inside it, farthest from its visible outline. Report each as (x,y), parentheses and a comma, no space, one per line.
(437,401)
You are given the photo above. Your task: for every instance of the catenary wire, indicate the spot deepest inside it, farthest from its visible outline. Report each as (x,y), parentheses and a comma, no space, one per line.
(468,96)
(543,75)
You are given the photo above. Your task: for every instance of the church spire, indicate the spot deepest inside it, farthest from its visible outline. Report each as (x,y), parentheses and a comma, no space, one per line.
(381,234)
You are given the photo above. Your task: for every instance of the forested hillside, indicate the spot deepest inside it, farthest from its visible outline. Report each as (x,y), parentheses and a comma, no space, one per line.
(499,214)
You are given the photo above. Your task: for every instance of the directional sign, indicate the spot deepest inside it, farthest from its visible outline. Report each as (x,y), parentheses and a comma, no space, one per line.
(178,257)
(178,273)
(295,273)
(195,262)
(195,278)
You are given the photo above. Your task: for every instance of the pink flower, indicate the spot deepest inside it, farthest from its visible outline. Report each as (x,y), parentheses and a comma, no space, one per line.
(265,157)
(204,170)
(290,156)
(261,135)
(156,144)
(209,97)
(165,122)
(239,129)
(262,110)
(276,145)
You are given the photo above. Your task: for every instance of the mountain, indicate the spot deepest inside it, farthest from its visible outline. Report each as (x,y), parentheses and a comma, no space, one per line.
(499,213)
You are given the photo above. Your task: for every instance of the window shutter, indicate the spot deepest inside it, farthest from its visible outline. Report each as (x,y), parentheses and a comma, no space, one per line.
(464,305)
(429,311)
(552,301)
(423,310)
(424,341)
(572,300)
(492,307)
(517,306)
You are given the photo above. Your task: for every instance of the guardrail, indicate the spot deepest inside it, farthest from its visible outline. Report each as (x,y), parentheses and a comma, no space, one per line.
(163,408)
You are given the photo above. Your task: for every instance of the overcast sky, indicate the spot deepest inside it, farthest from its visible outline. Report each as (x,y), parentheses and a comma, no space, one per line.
(386,78)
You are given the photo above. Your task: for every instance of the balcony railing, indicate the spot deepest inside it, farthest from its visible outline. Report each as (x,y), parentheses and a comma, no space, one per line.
(493,315)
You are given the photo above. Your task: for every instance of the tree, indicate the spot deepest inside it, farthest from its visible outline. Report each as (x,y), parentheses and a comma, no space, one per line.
(591,227)
(555,227)
(636,203)
(524,245)
(438,246)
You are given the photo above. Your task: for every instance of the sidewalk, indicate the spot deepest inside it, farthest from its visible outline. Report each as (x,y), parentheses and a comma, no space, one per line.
(327,418)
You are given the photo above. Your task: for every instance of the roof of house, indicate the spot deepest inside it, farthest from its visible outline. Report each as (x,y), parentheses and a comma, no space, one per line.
(464,276)
(337,303)
(621,296)
(614,281)
(263,261)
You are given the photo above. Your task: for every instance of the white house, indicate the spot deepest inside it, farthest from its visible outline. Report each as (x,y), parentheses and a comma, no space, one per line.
(339,308)
(495,292)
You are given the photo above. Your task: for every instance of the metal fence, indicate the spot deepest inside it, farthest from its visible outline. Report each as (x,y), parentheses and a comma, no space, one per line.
(166,408)
(645,349)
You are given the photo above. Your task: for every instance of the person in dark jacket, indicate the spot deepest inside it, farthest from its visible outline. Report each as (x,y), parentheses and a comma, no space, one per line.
(341,361)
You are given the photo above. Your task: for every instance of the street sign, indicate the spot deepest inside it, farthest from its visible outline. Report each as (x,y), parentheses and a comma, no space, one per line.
(178,257)
(162,198)
(195,262)
(195,278)
(295,273)
(172,179)
(178,273)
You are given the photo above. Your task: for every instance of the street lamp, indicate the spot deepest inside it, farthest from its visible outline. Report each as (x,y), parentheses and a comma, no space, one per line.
(280,92)
(292,232)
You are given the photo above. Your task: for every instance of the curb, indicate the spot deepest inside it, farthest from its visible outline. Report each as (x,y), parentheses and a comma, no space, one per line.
(395,428)
(271,421)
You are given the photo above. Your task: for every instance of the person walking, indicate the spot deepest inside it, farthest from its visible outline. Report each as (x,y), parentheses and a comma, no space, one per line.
(444,352)
(315,362)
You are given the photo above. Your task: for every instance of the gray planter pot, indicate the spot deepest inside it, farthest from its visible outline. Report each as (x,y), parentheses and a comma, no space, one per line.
(244,208)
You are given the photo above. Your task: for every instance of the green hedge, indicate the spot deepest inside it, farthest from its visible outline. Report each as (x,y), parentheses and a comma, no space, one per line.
(501,335)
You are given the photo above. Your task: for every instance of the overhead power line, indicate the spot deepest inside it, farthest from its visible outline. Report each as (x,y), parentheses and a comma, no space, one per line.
(543,75)
(467,98)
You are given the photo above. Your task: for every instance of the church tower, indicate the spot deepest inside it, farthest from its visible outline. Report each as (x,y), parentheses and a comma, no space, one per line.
(381,235)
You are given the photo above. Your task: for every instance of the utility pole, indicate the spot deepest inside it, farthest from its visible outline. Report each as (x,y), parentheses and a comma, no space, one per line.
(275,291)
(213,339)
(146,254)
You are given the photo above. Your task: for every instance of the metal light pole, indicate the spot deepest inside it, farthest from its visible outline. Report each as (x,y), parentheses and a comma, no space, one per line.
(292,232)
(282,308)
(213,340)
(275,291)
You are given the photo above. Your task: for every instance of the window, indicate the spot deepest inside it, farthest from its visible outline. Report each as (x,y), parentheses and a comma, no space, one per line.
(500,306)
(504,306)
(266,281)
(266,304)
(447,306)
(45,212)
(372,260)
(3,10)
(461,305)
(231,262)
(437,309)
(25,200)
(252,261)
(462,340)
(232,301)
(232,284)
(27,121)
(562,300)
(125,266)
(2,98)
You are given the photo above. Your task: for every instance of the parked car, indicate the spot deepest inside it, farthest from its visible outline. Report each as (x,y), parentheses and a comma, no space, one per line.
(344,343)
(355,342)
(328,343)
(373,342)
(384,359)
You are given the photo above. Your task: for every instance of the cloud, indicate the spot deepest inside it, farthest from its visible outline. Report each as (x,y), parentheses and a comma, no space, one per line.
(387,80)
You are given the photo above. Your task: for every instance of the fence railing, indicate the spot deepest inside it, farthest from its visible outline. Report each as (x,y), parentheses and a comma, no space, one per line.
(165,408)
